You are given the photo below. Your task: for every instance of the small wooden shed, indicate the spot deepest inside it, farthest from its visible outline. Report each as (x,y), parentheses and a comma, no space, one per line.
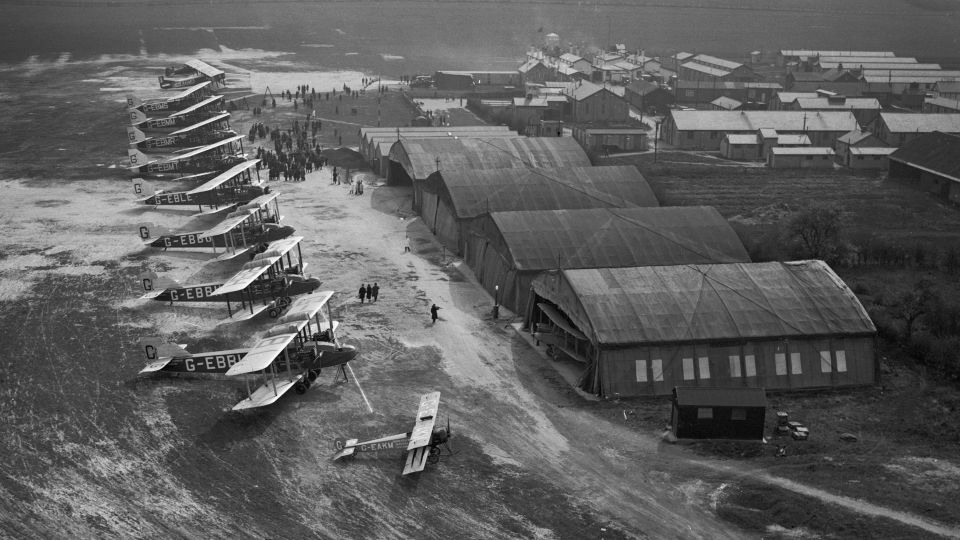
(718,413)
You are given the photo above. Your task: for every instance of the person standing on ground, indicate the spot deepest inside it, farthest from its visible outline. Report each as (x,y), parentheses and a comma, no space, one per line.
(369,293)
(406,245)
(433,313)
(335,177)
(363,293)
(376,291)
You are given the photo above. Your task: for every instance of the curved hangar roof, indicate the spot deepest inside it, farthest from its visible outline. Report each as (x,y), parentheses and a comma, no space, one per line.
(715,302)
(505,190)
(607,237)
(422,157)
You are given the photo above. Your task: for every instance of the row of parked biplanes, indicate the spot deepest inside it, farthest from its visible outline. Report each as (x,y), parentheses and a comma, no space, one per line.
(186,137)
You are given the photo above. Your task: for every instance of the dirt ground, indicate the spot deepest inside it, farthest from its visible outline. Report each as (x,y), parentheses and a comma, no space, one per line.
(92,450)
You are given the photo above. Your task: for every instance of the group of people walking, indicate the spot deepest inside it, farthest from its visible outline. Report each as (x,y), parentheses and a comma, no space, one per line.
(369,293)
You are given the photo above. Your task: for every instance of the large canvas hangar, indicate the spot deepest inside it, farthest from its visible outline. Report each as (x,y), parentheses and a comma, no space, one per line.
(463,195)
(777,325)
(506,250)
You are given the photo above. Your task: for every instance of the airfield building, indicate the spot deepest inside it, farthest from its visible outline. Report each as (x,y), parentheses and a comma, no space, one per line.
(643,331)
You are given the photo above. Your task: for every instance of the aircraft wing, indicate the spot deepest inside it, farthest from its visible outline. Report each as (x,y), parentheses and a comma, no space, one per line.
(276,249)
(263,353)
(207,148)
(242,279)
(190,90)
(196,106)
(216,181)
(270,392)
(198,125)
(204,68)
(227,225)
(418,450)
(306,307)
(261,201)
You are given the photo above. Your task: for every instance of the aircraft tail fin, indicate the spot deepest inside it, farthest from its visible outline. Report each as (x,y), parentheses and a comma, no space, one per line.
(134,135)
(143,189)
(149,232)
(344,448)
(137,116)
(133,101)
(154,285)
(137,158)
(159,353)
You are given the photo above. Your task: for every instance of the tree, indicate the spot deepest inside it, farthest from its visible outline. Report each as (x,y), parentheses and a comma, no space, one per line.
(815,231)
(913,304)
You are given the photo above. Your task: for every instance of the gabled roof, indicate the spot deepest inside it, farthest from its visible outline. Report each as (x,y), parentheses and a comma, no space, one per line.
(419,156)
(608,237)
(719,62)
(586,89)
(726,103)
(948,86)
(921,123)
(854,136)
(715,72)
(570,58)
(816,103)
(790,97)
(802,151)
(529,65)
(872,151)
(794,139)
(741,138)
(753,120)
(946,103)
(728,85)
(691,302)
(474,193)
(642,88)
(938,153)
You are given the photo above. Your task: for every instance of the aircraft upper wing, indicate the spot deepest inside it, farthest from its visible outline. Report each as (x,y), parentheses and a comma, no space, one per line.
(306,307)
(196,106)
(260,201)
(227,225)
(255,268)
(207,148)
(426,417)
(204,68)
(190,90)
(263,353)
(198,125)
(224,176)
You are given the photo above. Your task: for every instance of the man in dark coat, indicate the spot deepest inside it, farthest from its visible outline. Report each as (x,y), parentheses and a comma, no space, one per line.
(369,293)
(433,313)
(376,291)
(362,293)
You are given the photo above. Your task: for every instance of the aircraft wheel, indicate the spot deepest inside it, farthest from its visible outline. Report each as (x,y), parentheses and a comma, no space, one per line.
(274,313)
(300,388)
(282,302)
(434,455)
(287,300)
(312,375)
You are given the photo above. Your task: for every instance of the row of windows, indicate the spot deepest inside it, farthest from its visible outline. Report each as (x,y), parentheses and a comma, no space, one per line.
(737,369)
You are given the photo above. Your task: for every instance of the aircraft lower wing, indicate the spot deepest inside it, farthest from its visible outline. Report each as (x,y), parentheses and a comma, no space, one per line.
(246,314)
(270,392)
(416,460)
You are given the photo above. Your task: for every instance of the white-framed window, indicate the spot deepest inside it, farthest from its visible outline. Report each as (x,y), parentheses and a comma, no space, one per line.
(750,365)
(795,367)
(656,366)
(825,364)
(641,371)
(704,413)
(738,414)
(735,365)
(841,357)
(688,369)
(704,367)
(781,361)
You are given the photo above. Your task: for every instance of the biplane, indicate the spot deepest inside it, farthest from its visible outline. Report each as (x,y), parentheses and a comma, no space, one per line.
(212,106)
(263,284)
(178,102)
(314,348)
(211,130)
(229,188)
(243,230)
(209,159)
(192,72)
(292,355)
(422,444)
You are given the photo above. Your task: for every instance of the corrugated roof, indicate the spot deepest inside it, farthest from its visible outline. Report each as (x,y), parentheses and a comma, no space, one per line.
(419,156)
(670,304)
(505,190)
(921,123)
(853,136)
(872,151)
(947,103)
(727,103)
(529,102)
(753,120)
(790,97)
(816,52)
(603,237)
(719,62)
(846,104)
(898,73)
(903,78)
(793,139)
(867,59)
(802,151)
(879,65)
(716,72)
(706,396)
(728,85)
(937,152)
